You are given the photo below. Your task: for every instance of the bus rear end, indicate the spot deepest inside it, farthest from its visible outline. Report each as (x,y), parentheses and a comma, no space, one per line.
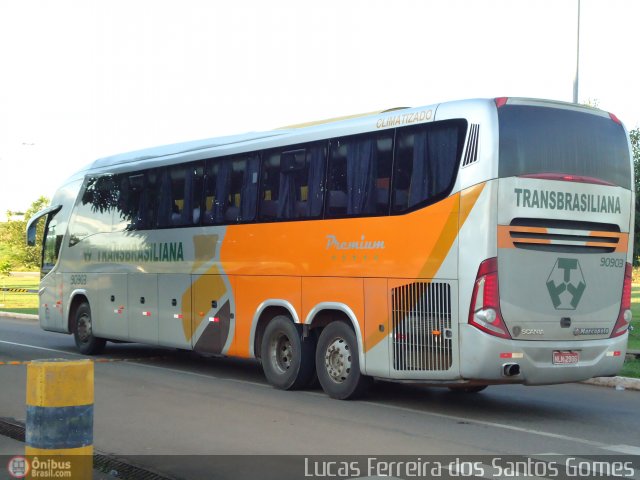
(553,305)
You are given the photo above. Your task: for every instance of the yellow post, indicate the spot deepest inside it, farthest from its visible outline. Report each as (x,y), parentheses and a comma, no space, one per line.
(59,427)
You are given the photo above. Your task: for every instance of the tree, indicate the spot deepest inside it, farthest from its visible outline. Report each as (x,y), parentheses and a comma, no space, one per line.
(5,268)
(12,239)
(635,145)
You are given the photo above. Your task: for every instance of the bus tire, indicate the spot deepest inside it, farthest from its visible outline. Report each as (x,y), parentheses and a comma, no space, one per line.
(338,363)
(287,357)
(86,342)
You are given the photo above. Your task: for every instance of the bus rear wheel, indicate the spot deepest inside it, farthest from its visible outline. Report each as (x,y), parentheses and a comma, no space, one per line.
(287,357)
(338,364)
(86,342)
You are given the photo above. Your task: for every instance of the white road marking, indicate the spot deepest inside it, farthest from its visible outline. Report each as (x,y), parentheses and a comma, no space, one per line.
(626,449)
(591,443)
(41,348)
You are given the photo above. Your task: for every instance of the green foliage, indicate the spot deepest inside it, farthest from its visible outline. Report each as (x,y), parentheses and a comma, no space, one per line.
(15,251)
(635,145)
(5,268)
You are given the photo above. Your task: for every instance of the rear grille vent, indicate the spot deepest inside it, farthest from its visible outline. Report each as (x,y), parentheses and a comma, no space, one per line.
(421,318)
(471,155)
(562,236)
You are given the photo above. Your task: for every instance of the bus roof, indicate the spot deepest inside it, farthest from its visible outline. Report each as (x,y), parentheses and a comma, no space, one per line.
(307,129)
(304,132)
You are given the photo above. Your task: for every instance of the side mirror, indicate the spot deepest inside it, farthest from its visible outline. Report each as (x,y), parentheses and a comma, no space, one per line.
(31,234)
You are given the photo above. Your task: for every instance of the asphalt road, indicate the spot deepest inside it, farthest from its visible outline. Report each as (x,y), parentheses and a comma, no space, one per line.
(153,401)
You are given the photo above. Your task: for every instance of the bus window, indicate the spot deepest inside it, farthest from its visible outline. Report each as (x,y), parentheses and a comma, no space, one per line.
(231,190)
(270,187)
(291,184)
(536,140)
(94,210)
(426,160)
(137,201)
(215,180)
(52,243)
(244,187)
(358,177)
(179,195)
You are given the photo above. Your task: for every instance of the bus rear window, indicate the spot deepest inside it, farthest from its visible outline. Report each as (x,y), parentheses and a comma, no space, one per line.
(551,140)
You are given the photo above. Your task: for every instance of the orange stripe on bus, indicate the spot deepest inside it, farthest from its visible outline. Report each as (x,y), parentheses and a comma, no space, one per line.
(505,240)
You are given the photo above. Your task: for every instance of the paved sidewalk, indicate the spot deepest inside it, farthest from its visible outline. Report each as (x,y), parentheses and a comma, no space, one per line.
(619,383)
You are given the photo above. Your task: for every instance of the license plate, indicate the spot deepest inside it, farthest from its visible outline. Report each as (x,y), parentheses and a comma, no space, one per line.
(565,358)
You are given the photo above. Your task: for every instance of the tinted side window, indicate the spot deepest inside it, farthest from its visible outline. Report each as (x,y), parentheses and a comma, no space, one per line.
(52,243)
(94,209)
(359,174)
(137,202)
(231,189)
(292,183)
(57,224)
(179,195)
(426,163)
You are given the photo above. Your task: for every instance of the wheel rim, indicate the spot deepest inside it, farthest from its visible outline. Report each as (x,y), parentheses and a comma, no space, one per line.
(337,360)
(84,328)
(281,352)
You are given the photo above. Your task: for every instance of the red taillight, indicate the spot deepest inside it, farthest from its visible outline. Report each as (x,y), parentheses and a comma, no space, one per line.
(624,317)
(615,119)
(484,311)
(501,101)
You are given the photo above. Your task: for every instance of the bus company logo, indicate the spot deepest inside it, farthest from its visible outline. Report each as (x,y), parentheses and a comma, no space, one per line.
(566,284)
(18,467)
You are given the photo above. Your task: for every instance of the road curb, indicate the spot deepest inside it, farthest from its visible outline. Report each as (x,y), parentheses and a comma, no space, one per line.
(619,383)
(21,316)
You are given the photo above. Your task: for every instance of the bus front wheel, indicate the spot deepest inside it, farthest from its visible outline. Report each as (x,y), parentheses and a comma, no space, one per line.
(86,342)
(338,364)
(287,357)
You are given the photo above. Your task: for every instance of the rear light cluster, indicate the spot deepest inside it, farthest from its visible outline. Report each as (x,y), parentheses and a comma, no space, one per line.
(484,312)
(501,101)
(615,119)
(624,317)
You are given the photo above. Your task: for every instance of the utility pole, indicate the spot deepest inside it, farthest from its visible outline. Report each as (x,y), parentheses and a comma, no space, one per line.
(575,80)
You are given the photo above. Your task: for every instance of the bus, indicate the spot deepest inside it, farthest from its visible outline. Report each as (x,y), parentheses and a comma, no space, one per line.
(462,244)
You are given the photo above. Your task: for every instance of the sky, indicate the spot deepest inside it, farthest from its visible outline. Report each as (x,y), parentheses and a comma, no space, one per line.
(84,79)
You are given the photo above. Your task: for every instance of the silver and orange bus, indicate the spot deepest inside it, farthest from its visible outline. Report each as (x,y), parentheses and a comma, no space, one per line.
(462,244)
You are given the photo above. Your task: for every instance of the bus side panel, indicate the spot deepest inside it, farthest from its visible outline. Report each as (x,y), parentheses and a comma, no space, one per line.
(479,237)
(143,307)
(111,320)
(174,310)
(254,293)
(376,326)
(51,306)
(213,313)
